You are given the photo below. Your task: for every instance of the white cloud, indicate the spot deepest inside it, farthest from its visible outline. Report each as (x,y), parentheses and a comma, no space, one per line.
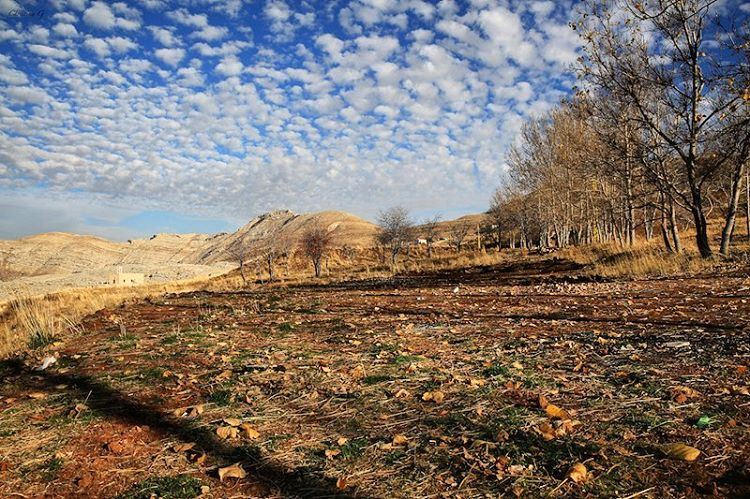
(65,29)
(98,46)
(120,44)
(27,95)
(170,56)
(46,51)
(100,16)
(230,66)
(164,36)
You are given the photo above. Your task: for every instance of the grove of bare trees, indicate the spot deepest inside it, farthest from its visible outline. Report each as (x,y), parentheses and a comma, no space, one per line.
(657,139)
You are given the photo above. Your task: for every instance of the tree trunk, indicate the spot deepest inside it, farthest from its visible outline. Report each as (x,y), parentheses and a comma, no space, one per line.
(701,232)
(242,273)
(747,202)
(269,261)
(673,228)
(316,266)
(664,230)
(734,200)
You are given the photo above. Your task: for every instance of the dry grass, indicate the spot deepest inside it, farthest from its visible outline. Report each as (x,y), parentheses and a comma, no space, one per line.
(31,322)
(36,321)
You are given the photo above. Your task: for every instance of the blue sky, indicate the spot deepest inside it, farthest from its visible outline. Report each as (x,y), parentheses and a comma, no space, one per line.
(127,118)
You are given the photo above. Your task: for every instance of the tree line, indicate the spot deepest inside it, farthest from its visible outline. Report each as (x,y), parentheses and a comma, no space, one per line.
(656,137)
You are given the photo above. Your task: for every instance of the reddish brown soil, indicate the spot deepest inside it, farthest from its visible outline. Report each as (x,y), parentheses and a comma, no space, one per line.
(635,365)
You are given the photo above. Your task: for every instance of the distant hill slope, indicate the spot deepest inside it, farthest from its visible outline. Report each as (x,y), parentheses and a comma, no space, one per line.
(63,253)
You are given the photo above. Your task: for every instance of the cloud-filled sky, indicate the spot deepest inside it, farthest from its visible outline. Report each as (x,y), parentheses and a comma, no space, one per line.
(127,118)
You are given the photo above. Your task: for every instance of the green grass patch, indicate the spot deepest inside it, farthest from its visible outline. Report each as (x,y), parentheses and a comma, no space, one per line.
(400,360)
(166,487)
(286,327)
(354,448)
(51,469)
(496,370)
(220,397)
(376,378)
(40,339)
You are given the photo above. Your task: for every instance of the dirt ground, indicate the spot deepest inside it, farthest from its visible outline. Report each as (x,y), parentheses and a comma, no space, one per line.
(479,383)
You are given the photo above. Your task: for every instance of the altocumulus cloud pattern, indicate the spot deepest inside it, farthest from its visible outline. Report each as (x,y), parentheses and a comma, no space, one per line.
(230,108)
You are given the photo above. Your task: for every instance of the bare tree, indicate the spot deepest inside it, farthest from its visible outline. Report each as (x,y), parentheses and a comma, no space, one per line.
(240,254)
(457,233)
(316,242)
(430,228)
(396,230)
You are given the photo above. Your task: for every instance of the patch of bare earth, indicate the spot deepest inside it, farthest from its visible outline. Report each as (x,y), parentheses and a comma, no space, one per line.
(396,388)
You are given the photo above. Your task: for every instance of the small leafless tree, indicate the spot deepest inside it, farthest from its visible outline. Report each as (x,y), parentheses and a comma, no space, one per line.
(396,230)
(457,233)
(315,245)
(240,254)
(430,228)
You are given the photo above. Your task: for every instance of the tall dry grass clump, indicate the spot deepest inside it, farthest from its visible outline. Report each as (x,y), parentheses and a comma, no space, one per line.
(642,260)
(28,321)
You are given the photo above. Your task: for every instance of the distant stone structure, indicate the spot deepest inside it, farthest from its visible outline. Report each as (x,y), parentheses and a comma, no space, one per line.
(125,278)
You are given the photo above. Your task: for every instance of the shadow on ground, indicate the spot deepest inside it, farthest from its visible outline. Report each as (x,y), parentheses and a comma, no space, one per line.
(111,403)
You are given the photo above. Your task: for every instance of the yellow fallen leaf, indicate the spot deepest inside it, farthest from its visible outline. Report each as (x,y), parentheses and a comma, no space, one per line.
(400,440)
(402,394)
(331,453)
(546,431)
(342,441)
(249,431)
(226,432)
(681,452)
(578,473)
(436,396)
(233,421)
(233,471)
(543,402)
(183,447)
(37,395)
(555,412)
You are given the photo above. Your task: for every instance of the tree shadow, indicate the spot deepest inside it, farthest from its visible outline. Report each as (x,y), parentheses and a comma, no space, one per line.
(110,403)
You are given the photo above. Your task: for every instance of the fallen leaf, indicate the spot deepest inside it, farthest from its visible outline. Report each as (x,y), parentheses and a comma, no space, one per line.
(400,440)
(331,453)
(436,396)
(555,412)
(543,402)
(233,421)
(681,452)
(341,483)
(234,471)
(37,395)
(115,447)
(578,473)
(183,447)
(227,432)
(249,431)
(342,441)
(402,394)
